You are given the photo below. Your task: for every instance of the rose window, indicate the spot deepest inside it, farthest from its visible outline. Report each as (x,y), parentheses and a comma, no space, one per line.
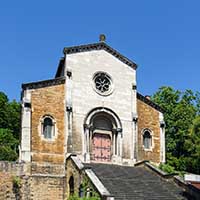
(103,83)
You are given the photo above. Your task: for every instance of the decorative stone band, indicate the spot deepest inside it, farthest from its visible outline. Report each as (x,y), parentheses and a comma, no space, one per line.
(99,46)
(45,83)
(149,102)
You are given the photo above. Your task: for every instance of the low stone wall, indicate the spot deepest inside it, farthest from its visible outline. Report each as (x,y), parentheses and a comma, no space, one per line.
(14,168)
(47,169)
(6,187)
(24,181)
(44,188)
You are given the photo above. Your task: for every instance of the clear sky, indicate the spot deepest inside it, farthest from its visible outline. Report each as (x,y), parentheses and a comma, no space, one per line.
(162,37)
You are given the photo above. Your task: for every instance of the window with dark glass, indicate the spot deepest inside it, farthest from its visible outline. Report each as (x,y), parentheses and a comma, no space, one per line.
(48,128)
(147,139)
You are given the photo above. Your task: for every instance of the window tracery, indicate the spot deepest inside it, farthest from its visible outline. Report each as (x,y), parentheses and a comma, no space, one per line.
(102,83)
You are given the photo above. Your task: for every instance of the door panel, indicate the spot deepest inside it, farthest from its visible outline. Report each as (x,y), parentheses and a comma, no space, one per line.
(101,147)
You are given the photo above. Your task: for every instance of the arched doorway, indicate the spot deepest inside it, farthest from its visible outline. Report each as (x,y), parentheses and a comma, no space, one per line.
(101,138)
(71,185)
(102,132)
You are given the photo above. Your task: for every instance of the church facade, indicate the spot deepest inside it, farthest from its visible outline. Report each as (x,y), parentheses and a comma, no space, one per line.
(89,133)
(92,109)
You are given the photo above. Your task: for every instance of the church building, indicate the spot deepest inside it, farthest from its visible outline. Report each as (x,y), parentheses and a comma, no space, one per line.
(92,109)
(91,113)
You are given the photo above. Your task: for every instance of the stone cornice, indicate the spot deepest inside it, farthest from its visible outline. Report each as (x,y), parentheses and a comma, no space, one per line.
(149,102)
(99,46)
(45,83)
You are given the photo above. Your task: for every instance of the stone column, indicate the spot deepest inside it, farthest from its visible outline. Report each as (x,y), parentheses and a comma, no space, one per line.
(162,138)
(86,152)
(134,123)
(25,149)
(69,119)
(114,143)
(135,138)
(119,142)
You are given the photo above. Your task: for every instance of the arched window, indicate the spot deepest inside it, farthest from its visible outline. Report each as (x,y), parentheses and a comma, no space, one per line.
(147,139)
(48,128)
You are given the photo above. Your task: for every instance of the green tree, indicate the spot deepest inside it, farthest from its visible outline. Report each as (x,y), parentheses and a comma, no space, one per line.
(3,110)
(14,120)
(9,128)
(181,108)
(8,145)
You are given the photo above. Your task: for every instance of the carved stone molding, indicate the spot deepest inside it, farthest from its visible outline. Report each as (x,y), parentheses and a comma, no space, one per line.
(45,83)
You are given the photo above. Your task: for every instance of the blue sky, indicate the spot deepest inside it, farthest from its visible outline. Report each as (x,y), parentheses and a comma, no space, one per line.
(162,37)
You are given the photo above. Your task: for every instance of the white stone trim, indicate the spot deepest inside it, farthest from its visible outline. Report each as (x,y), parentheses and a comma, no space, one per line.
(192,177)
(25,149)
(134,145)
(68,92)
(97,183)
(54,131)
(162,138)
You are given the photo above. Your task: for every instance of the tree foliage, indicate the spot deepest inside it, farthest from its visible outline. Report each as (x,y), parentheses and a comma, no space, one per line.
(182,118)
(9,128)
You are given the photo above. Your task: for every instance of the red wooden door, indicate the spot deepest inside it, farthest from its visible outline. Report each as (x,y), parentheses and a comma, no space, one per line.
(101,147)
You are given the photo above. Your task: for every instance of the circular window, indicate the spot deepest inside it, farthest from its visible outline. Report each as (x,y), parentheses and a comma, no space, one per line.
(102,83)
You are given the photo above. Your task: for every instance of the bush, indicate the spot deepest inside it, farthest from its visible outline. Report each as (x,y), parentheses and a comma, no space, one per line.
(167,168)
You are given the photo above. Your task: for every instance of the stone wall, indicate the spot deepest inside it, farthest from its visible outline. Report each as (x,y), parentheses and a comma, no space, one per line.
(72,170)
(48,101)
(46,188)
(148,117)
(23,181)
(6,186)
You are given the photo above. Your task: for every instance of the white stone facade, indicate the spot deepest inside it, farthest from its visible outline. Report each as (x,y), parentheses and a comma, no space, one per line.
(83,98)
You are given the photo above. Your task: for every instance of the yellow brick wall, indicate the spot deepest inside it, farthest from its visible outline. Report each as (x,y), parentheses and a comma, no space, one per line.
(148,117)
(47,101)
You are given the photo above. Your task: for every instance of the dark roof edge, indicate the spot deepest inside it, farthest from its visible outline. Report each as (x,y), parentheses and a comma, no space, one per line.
(60,66)
(45,83)
(149,102)
(100,46)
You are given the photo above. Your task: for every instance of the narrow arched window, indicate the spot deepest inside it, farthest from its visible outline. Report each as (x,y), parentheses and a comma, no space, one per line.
(71,185)
(147,139)
(48,128)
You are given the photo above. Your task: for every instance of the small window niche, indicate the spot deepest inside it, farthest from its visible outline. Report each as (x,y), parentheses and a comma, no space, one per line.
(147,139)
(48,127)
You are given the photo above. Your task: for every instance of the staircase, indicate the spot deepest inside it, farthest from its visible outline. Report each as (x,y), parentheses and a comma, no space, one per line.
(135,183)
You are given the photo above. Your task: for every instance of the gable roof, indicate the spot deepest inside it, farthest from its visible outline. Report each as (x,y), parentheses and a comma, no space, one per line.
(100,46)
(149,102)
(44,83)
(91,47)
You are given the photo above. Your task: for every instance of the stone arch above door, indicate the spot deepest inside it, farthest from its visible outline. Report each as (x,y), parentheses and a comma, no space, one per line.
(102,135)
(106,111)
